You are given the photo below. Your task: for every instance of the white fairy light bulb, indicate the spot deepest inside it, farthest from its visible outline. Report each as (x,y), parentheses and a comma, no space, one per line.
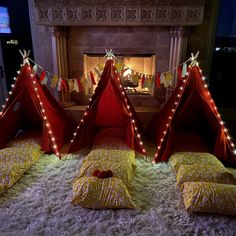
(235,152)
(135,128)
(18,72)
(133,121)
(144,150)
(205,85)
(50,132)
(221,122)
(12,85)
(159,147)
(35,89)
(138,135)
(10,92)
(81,120)
(43,110)
(186,73)
(14,78)
(228,137)
(178,95)
(41,103)
(45,117)
(232,145)
(2,106)
(53,139)
(176,103)
(47,124)
(181,88)
(54,146)
(78,127)
(173,110)
(71,141)
(167,125)
(86,113)
(74,134)
(203,78)
(164,132)
(32,75)
(184,81)
(225,129)
(57,153)
(161,139)
(6,99)
(141,143)
(90,99)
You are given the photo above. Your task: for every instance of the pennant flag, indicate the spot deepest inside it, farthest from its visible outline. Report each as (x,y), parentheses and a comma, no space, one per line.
(119,66)
(158,80)
(92,78)
(63,85)
(143,80)
(35,69)
(98,72)
(59,84)
(42,76)
(45,80)
(80,84)
(70,84)
(76,87)
(54,81)
(167,79)
(184,70)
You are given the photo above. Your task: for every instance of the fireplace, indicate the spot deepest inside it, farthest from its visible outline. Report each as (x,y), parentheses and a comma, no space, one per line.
(68,34)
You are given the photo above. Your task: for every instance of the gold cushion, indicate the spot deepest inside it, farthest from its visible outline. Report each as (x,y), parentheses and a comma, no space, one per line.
(204,173)
(112,155)
(11,172)
(22,154)
(189,158)
(92,192)
(122,170)
(210,197)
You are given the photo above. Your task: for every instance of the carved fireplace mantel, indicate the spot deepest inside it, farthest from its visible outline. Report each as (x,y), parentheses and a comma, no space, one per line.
(119,12)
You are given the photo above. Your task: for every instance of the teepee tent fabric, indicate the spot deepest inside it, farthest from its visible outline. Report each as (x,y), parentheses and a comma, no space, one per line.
(109,107)
(32,107)
(191,108)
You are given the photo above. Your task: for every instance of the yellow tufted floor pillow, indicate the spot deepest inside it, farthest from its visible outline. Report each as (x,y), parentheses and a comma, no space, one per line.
(11,172)
(189,158)
(92,192)
(122,170)
(210,197)
(104,155)
(204,173)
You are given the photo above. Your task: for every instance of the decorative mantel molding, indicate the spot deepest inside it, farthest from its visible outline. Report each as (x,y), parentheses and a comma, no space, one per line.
(119,12)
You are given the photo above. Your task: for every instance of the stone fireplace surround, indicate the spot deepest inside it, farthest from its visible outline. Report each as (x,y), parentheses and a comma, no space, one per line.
(66,29)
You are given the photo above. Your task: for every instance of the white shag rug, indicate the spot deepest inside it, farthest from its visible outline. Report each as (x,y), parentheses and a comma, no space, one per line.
(39,204)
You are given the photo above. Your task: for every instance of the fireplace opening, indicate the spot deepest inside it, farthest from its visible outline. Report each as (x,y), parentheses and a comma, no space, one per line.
(137,71)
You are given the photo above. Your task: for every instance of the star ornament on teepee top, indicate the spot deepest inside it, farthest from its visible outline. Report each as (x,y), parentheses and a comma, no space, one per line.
(193,59)
(110,54)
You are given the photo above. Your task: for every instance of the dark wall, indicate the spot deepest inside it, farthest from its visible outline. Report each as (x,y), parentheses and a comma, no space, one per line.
(20,27)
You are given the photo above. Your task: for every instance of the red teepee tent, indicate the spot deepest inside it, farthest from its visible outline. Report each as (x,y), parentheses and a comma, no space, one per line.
(190,110)
(109,107)
(32,107)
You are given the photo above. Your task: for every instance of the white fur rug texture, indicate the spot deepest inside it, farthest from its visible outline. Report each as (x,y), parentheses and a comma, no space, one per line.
(40,204)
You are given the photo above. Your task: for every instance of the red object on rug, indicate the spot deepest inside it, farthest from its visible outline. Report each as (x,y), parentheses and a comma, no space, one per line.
(24,110)
(109,108)
(190,109)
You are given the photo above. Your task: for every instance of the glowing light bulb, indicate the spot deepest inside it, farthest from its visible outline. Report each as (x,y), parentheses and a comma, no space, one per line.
(78,127)
(173,110)
(71,140)
(164,132)
(161,139)
(47,124)
(208,93)
(45,117)
(176,103)
(88,106)
(178,95)
(170,117)
(222,122)
(184,81)
(225,129)
(232,145)
(235,151)
(53,139)
(156,155)
(12,85)
(159,147)
(90,99)
(57,154)
(141,143)
(186,73)
(50,132)
(14,78)
(18,72)
(128,107)
(86,113)
(144,150)
(135,128)
(32,75)
(2,106)
(74,134)
(6,99)
(81,120)
(218,115)
(123,93)
(38,96)
(153,162)
(54,146)
(203,78)
(167,125)
(43,110)
(10,92)
(34,82)
(120,86)
(35,89)
(205,86)
(133,121)
(228,137)
(41,103)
